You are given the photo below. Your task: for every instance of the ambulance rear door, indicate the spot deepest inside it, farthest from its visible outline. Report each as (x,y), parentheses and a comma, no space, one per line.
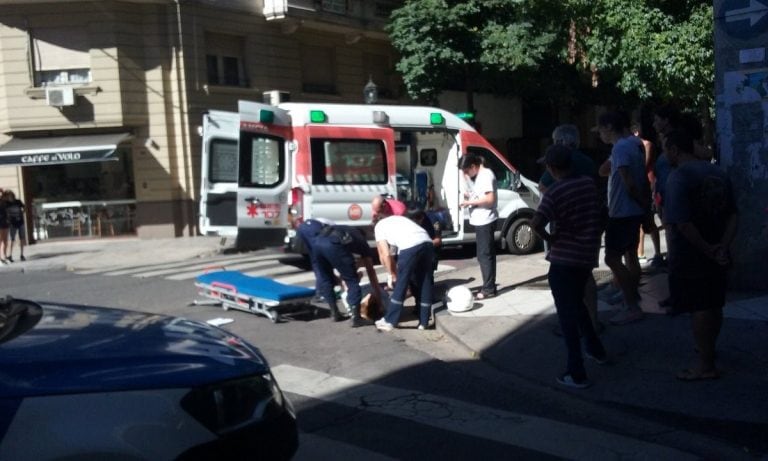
(218,184)
(264,178)
(350,165)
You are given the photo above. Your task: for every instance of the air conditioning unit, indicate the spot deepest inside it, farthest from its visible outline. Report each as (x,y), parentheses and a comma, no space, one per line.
(60,96)
(275,97)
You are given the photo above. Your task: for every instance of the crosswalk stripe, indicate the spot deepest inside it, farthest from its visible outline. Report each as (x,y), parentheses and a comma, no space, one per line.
(532,432)
(123,270)
(266,266)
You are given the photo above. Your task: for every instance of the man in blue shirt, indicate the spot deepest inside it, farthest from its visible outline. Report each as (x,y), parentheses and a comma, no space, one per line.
(628,202)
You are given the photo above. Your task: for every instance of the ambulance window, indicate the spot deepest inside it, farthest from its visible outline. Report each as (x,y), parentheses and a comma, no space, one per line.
(500,170)
(222,160)
(261,160)
(348,161)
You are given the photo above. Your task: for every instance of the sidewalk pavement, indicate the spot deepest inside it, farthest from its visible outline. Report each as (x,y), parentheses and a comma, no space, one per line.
(513,332)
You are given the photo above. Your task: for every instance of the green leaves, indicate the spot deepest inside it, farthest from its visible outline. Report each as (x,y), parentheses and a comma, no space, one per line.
(643,48)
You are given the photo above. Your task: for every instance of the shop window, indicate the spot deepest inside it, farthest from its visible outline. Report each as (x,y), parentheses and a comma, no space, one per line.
(379,68)
(348,161)
(60,56)
(318,65)
(224,60)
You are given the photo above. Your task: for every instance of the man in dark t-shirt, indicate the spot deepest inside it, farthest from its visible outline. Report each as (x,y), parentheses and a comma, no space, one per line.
(700,216)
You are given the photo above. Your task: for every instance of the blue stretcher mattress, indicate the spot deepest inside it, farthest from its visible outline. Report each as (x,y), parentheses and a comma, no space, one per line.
(257,287)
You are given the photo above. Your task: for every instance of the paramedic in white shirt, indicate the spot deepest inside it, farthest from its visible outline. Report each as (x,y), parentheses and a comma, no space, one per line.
(415,253)
(480,197)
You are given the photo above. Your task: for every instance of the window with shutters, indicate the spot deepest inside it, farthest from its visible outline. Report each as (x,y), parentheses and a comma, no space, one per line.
(60,56)
(317,70)
(224,60)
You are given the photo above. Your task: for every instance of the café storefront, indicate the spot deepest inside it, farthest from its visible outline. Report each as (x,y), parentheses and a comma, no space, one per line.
(78,186)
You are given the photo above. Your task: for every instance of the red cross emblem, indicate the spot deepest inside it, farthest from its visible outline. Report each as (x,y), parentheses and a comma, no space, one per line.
(253,210)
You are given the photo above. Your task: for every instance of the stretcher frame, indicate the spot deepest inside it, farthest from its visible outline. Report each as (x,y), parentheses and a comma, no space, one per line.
(229,295)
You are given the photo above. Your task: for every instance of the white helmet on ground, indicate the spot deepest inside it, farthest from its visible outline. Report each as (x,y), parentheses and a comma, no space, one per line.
(459,299)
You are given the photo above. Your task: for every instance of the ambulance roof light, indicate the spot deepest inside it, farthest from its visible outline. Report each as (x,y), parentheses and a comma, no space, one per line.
(266,116)
(436,118)
(468,117)
(380,117)
(317,116)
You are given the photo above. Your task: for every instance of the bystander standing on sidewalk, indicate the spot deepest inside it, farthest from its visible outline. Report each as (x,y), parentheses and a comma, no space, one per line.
(581,165)
(571,204)
(14,210)
(480,196)
(701,222)
(628,200)
(649,221)
(3,229)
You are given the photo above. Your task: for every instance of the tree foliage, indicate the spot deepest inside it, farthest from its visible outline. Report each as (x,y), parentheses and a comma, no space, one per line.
(440,39)
(642,49)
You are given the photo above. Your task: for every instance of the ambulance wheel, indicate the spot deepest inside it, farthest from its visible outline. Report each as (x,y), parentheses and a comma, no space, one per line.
(224,306)
(521,239)
(273,316)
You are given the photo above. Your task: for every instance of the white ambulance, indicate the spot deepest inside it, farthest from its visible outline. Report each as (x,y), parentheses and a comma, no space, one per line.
(266,168)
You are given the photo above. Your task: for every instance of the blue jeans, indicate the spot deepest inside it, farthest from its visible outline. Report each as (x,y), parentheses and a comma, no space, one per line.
(414,265)
(486,257)
(567,284)
(327,256)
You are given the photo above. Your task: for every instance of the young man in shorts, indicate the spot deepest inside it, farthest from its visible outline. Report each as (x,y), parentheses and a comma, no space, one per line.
(628,202)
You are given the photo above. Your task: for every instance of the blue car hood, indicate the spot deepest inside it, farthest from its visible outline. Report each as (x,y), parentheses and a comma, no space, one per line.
(74,349)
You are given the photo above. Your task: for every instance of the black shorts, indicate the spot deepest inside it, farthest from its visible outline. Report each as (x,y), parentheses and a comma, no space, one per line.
(649,223)
(697,294)
(623,234)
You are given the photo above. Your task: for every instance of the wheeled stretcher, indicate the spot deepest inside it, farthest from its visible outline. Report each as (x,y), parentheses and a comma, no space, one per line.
(257,295)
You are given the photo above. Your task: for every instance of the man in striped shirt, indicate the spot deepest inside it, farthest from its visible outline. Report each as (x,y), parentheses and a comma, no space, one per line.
(571,204)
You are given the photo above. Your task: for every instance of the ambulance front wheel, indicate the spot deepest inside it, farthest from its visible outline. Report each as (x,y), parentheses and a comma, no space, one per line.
(521,239)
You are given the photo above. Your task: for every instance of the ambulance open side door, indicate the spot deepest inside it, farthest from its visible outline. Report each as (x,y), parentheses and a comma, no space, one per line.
(218,184)
(264,178)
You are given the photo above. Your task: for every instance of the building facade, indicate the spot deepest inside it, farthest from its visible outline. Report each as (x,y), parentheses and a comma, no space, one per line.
(100,102)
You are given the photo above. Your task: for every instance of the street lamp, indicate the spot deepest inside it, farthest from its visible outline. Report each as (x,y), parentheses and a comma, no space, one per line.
(370,92)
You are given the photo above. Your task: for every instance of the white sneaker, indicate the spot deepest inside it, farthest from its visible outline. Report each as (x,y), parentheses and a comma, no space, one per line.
(383,325)
(422,327)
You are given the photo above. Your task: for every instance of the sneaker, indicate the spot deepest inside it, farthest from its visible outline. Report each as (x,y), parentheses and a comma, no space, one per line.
(383,325)
(421,327)
(4,261)
(627,316)
(568,381)
(23,258)
(10,259)
(642,259)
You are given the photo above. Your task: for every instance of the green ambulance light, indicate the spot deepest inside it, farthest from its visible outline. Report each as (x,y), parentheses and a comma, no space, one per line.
(317,116)
(468,117)
(436,118)
(266,116)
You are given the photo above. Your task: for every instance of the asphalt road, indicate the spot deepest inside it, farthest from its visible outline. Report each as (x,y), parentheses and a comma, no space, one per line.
(361,394)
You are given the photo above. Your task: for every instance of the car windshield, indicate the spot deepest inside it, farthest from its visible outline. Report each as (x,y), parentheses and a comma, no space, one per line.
(16,317)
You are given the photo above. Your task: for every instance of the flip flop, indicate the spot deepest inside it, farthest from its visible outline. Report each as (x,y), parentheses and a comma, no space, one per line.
(689,375)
